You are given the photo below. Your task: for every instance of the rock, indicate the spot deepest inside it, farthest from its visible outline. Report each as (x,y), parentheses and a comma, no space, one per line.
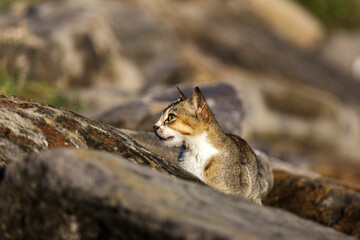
(137,115)
(343,50)
(75,46)
(90,51)
(338,168)
(86,45)
(111,46)
(232,35)
(300,27)
(141,114)
(139,44)
(334,167)
(145,52)
(298,118)
(82,194)
(296,188)
(318,200)
(27,126)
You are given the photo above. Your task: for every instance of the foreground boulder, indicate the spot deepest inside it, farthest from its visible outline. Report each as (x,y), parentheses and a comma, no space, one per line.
(296,189)
(82,194)
(321,200)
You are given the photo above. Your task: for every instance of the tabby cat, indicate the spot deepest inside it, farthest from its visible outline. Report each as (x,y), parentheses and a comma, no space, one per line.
(224,161)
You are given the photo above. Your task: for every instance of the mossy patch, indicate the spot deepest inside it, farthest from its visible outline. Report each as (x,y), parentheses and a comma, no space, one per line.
(335,14)
(6,4)
(38,90)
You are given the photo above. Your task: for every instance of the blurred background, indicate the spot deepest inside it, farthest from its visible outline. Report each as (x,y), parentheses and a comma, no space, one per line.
(284,74)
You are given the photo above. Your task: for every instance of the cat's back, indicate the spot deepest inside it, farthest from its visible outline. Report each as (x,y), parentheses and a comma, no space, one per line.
(258,163)
(247,156)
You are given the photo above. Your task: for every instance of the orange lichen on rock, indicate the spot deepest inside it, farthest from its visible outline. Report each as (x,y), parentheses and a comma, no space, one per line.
(329,204)
(53,137)
(350,223)
(7,133)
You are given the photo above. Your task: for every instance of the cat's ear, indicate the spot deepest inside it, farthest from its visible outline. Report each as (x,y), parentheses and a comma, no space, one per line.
(202,110)
(181,94)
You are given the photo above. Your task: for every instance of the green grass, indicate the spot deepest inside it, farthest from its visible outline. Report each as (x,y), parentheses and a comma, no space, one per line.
(37,90)
(335,14)
(6,4)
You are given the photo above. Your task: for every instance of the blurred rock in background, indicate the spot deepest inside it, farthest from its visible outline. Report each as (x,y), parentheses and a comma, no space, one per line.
(343,50)
(111,53)
(298,95)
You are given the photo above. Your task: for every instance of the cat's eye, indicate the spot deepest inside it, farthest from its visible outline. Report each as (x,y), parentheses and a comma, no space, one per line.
(171,117)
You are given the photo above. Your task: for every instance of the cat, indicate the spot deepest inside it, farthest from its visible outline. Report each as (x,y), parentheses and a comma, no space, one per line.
(224,161)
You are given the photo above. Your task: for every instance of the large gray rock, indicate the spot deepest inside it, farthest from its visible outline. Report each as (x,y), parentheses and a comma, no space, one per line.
(79,194)
(296,189)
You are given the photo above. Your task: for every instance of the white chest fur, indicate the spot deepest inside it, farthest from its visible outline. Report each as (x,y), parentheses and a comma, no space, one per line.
(198,151)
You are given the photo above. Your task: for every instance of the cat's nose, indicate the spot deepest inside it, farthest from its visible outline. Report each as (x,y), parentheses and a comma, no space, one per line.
(155,127)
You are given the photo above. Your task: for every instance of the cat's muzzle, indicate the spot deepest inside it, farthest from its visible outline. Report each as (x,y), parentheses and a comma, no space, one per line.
(161,138)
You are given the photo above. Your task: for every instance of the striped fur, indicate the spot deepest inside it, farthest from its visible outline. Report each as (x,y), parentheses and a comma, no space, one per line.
(225,162)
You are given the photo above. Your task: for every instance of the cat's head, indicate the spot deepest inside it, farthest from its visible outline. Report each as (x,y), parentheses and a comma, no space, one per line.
(183,119)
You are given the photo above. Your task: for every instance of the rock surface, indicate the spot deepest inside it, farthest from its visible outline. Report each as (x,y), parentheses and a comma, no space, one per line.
(27,126)
(296,189)
(319,200)
(79,194)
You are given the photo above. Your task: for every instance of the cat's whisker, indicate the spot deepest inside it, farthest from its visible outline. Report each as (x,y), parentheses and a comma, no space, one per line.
(151,142)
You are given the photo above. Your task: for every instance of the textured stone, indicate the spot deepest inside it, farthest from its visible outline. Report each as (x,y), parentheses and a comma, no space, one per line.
(27,126)
(296,189)
(80,194)
(317,199)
